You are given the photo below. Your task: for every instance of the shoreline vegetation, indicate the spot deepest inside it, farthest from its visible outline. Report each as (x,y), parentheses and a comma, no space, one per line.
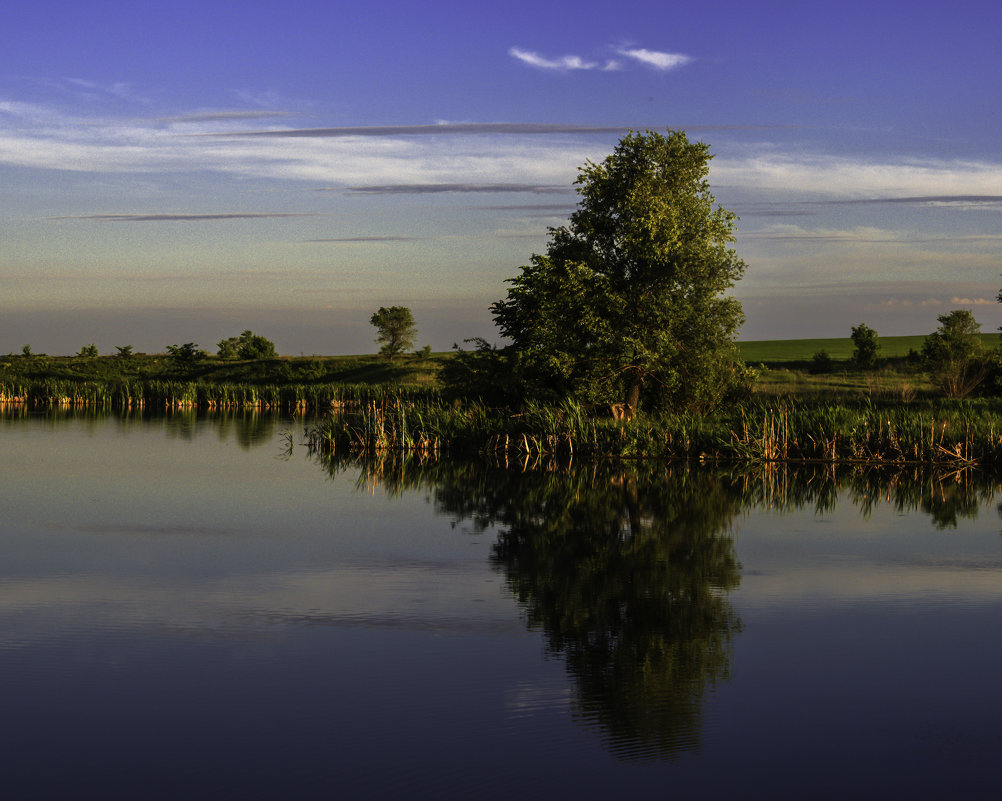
(954,433)
(370,404)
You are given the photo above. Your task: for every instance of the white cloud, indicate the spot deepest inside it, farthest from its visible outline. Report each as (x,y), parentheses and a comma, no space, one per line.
(974,301)
(848,178)
(656,59)
(541,62)
(650,58)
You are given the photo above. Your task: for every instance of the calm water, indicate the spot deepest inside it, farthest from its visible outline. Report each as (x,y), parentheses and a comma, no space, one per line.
(190,608)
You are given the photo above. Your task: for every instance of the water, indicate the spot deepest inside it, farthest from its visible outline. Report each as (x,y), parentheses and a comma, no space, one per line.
(191,607)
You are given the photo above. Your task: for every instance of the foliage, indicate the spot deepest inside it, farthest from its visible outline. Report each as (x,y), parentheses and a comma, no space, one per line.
(822,363)
(124,351)
(423,353)
(396,329)
(185,356)
(951,354)
(88,351)
(776,351)
(247,346)
(485,374)
(628,300)
(864,355)
(26,351)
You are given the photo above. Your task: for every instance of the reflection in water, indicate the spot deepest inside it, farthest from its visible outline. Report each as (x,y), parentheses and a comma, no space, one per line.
(625,571)
(626,575)
(626,567)
(248,427)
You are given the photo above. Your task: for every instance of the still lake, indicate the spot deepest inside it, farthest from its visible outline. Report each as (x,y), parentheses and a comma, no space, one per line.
(194,607)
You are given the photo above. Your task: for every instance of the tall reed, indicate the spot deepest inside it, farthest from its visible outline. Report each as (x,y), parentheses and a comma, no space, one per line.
(790,431)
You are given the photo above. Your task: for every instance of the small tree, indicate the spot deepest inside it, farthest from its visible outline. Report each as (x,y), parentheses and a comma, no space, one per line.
(247,346)
(396,329)
(185,356)
(952,354)
(26,351)
(124,351)
(88,351)
(865,354)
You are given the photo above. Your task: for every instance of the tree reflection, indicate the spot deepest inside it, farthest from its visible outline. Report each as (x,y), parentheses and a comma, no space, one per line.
(626,573)
(626,568)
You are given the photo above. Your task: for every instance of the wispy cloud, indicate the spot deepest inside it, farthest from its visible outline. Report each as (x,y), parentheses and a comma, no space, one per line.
(934,200)
(535,209)
(367,239)
(138,217)
(562,63)
(224,116)
(839,178)
(864,235)
(654,58)
(437,129)
(432,189)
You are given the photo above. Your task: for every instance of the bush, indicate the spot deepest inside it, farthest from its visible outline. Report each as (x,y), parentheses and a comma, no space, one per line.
(953,354)
(822,362)
(247,346)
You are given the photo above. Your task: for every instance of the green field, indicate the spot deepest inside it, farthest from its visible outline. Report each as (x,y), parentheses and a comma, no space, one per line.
(802,350)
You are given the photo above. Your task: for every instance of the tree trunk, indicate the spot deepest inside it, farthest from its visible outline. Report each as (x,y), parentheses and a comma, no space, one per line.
(633,392)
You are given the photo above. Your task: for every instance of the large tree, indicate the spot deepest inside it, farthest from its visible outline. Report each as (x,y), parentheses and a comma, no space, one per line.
(628,300)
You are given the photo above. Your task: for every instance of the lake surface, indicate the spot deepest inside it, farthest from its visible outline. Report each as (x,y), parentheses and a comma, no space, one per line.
(192,607)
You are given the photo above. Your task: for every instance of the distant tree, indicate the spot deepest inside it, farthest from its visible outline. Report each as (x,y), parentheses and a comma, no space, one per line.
(867,347)
(247,346)
(88,351)
(185,356)
(26,351)
(227,349)
(124,351)
(952,354)
(423,353)
(396,329)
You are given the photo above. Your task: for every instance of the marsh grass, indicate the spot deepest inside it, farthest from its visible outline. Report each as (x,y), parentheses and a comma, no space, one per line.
(866,432)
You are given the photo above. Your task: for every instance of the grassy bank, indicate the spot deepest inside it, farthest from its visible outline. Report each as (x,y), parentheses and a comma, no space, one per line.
(154,382)
(958,432)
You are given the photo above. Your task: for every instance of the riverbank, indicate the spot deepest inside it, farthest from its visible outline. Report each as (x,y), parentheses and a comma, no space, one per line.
(865,431)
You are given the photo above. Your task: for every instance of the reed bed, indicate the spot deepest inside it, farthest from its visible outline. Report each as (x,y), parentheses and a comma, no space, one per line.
(181,394)
(964,432)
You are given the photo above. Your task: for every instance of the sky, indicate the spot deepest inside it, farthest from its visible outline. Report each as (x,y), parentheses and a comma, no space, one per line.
(181,172)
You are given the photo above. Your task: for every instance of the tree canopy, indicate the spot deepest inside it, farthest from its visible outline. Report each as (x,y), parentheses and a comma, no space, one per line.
(247,346)
(395,329)
(867,347)
(951,354)
(628,301)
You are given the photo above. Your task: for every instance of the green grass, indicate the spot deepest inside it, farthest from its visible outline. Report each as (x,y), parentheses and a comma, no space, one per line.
(802,350)
(759,430)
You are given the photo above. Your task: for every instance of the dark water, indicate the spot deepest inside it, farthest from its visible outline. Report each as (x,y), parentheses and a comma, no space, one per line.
(193,608)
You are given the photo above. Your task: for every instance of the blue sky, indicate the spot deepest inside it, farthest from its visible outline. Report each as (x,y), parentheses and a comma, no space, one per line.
(182,172)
